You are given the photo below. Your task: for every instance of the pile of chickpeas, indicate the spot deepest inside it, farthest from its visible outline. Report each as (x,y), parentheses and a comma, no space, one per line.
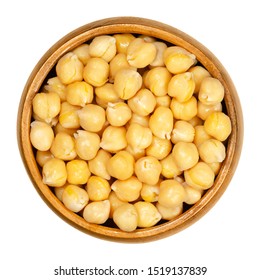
(129,130)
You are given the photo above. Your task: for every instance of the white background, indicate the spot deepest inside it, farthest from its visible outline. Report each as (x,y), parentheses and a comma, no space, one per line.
(34,241)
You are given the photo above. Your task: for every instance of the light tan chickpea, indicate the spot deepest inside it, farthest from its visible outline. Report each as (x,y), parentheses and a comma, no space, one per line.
(200,176)
(157,80)
(138,136)
(113,139)
(186,155)
(96,72)
(196,121)
(126,217)
(97,165)
(41,135)
(121,165)
(107,93)
(135,152)
(150,193)
(171,194)
(142,120)
(200,135)
(43,156)
(86,144)
(199,73)
(161,122)
(69,68)
(160,48)
(97,212)
(98,188)
(164,101)
(169,167)
(184,110)
(103,46)
(182,132)
(212,150)
(148,170)
(118,114)
(140,53)
(178,60)
(159,148)
(169,213)
(192,195)
(211,91)
(59,191)
(59,128)
(46,106)
(218,125)
(63,146)
(215,166)
(92,117)
(78,172)
(127,190)
(115,202)
(147,38)
(55,85)
(181,86)
(205,110)
(68,116)
(148,215)
(54,173)
(79,93)
(127,82)
(74,198)
(143,103)
(82,52)
(122,41)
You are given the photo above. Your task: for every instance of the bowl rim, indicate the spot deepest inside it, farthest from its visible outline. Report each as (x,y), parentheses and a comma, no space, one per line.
(163,32)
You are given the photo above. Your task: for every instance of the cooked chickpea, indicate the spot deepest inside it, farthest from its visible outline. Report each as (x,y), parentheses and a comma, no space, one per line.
(186,155)
(200,135)
(211,91)
(55,85)
(107,93)
(59,191)
(142,120)
(205,110)
(122,41)
(82,52)
(68,116)
(54,173)
(97,212)
(69,68)
(78,172)
(79,93)
(196,121)
(169,213)
(184,110)
(212,150)
(169,167)
(215,166)
(182,132)
(160,48)
(115,202)
(159,148)
(150,193)
(75,198)
(41,135)
(59,128)
(148,170)
(135,152)
(86,144)
(98,188)
(192,195)
(43,156)
(199,73)
(118,114)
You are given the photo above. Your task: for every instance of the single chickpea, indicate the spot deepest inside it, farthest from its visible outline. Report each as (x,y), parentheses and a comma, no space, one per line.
(79,93)
(157,80)
(69,68)
(164,101)
(169,213)
(103,46)
(148,215)
(59,191)
(54,173)
(178,60)
(118,114)
(96,72)
(192,195)
(161,122)
(122,41)
(142,120)
(115,202)
(107,93)
(205,110)
(200,135)
(150,193)
(135,152)
(169,167)
(121,165)
(113,139)
(126,217)
(82,52)
(199,73)
(86,144)
(159,148)
(171,194)
(78,172)
(186,155)
(97,212)
(63,146)
(43,156)
(68,117)
(212,150)
(200,176)
(181,86)
(75,198)
(59,128)
(127,82)
(160,48)
(148,170)
(211,91)
(182,132)
(46,106)
(218,125)
(98,188)
(97,165)
(147,38)
(41,135)
(215,166)
(139,137)
(184,110)
(143,103)
(92,117)
(55,85)
(140,53)
(127,190)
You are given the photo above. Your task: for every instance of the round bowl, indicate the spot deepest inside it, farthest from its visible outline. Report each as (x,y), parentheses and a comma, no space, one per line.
(172,36)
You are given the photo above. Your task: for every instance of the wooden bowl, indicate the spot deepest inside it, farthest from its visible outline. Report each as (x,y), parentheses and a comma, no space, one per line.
(162,32)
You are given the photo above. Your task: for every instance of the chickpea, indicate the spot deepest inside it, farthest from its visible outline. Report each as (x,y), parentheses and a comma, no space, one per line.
(199,73)
(196,121)
(164,101)
(169,213)
(97,212)
(41,135)
(160,48)
(211,91)
(43,156)
(82,52)
(186,155)
(159,148)
(169,167)
(118,114)
(192,195)
(74,198)
(184,110)
(79,93)
(107,93)
(135,152)
(86,144)
(59,191)
(142,120)
(150,193)
(205,110)
(148,170)
(212,150)
(98,188)
(55,85)
(59,128)
(215,166)
(200,135)
(122,41)
(115,202)
(182,132)
(78,172)
(68,117)
(92,117)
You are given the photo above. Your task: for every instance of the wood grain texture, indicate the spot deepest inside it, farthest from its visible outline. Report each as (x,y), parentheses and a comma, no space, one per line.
(168,34)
